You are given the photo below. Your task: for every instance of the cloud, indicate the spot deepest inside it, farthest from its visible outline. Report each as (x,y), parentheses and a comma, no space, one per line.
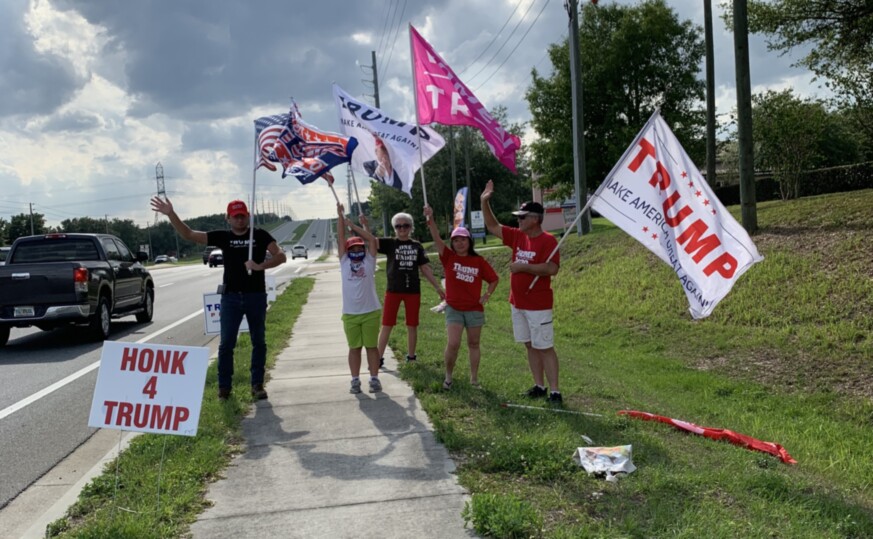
(34,81)
(73,121)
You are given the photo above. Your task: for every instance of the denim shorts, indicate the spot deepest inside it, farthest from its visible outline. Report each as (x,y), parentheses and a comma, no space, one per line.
(468,319)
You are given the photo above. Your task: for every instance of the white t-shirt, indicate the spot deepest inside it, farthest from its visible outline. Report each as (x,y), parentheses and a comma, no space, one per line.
(359,285)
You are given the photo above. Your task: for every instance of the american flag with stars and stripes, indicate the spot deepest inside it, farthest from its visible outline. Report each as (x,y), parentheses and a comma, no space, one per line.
(267,131)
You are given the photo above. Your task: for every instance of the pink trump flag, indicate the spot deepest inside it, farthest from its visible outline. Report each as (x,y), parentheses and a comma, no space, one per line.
(441,97)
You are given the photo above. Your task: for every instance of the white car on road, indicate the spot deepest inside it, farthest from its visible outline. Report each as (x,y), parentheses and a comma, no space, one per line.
(299,251)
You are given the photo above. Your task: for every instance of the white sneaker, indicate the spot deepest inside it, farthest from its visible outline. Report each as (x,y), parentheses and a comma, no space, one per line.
(356,386)
(375,385)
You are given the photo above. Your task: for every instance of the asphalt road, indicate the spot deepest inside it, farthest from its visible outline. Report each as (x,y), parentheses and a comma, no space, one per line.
(48,377)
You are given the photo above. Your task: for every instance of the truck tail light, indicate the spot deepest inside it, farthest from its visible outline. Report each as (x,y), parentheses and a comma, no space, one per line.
(80,279)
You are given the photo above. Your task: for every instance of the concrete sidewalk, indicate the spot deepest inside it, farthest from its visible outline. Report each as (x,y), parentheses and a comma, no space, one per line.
(321,462)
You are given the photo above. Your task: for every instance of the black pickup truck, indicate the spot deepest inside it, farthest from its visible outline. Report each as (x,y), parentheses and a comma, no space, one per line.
(59,279)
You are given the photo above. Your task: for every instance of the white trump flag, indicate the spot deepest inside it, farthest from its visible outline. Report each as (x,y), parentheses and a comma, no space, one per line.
(387,149)
(656,194)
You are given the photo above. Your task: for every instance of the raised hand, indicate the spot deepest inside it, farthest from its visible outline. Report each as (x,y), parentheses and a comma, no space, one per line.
(487,192)
(162,205)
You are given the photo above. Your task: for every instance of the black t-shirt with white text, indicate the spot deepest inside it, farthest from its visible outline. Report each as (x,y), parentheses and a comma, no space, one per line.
(404,258)
(236,251)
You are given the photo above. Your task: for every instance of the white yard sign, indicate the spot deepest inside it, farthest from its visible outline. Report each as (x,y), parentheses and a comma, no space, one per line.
(149,388)
(212,315)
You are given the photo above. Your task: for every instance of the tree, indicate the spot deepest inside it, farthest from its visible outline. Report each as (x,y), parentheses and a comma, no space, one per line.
(19,225)
(634,59)
(793,136)
(4,225)
(839,37)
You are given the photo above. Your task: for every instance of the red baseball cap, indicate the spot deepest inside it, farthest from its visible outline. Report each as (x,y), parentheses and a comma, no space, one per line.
(237,207)
(354,240)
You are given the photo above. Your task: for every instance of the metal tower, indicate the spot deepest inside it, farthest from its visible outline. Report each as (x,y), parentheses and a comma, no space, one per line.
(159,175)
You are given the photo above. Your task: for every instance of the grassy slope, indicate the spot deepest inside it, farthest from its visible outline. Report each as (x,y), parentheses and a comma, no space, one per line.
(784,358)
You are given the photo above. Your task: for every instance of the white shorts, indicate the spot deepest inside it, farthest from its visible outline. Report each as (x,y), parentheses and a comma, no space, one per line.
(534,327)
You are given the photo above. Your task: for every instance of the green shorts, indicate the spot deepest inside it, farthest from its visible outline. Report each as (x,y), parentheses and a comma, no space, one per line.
(362,329)
(468,319)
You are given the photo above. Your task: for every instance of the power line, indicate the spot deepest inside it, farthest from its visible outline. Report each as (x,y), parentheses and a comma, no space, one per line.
(493,39)
(384,26)
(396,33)
(516,45)
(521,20)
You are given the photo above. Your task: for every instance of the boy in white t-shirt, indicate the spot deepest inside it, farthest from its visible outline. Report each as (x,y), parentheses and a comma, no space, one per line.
(361,307)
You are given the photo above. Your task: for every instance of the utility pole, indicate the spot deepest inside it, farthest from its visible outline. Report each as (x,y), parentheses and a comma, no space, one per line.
(106,221)
(375,79)
(583,224)
(375,83)
(710,94)
(748,206)
(32,233)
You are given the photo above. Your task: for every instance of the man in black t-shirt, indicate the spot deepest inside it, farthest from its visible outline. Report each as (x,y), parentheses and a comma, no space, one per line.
(244,291)
(405,257)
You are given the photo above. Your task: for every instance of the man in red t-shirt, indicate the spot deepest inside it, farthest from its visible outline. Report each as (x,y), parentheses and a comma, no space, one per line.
(531,307)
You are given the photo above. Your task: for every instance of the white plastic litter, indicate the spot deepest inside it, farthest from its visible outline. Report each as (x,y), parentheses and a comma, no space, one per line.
(439,308)
(605,461)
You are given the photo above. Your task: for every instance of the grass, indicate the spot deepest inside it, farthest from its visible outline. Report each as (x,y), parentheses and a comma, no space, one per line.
(135,507)
(786,357)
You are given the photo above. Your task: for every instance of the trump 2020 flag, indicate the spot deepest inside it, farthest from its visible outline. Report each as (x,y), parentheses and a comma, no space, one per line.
(306,152)
(387,149)
(444,99)
(656,194)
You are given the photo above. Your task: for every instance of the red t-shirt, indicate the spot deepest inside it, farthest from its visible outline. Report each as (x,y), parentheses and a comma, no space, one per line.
(530,251)
(464,276)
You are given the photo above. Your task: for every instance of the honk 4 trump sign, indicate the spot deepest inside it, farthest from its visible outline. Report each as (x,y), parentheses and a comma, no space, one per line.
(149,388)
(656,194)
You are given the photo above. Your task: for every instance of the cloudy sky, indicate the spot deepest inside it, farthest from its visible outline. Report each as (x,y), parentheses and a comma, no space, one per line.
(93,94)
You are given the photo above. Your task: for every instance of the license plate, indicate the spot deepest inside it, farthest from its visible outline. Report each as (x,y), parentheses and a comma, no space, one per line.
(21,312)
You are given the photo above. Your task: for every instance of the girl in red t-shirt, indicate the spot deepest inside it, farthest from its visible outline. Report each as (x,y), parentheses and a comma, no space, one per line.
(465,270)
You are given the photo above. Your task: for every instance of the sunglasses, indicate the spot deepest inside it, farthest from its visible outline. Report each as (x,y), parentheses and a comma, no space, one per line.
(403,225)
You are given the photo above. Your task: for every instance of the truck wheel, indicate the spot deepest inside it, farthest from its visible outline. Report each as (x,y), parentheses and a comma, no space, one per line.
(4,335)
(100,322)
(148,306)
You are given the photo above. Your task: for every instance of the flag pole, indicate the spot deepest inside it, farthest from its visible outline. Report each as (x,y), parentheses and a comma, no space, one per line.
(355,185)
(332,190)
(251,213)
(417,123)
(597,192)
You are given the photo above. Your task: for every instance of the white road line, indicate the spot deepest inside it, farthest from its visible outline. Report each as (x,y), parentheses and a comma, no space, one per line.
(82,372)
(168,284)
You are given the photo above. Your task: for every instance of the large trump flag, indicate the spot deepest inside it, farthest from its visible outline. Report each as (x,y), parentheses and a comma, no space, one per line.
(388,149)
(443,98)
(656,194)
